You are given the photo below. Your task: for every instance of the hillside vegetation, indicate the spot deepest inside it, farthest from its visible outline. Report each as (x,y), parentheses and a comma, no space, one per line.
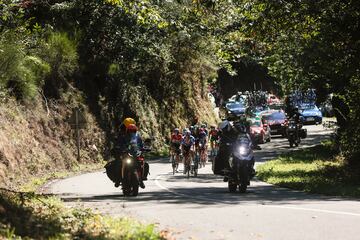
(153,60)
(110,58)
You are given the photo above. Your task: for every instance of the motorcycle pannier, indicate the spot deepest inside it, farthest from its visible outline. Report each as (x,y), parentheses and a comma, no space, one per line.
(303,133)
(113,170)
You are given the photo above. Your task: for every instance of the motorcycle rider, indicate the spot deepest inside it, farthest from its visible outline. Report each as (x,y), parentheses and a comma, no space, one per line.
(243,132)
(121,144)
(296,116)
(228,135)
(131,141)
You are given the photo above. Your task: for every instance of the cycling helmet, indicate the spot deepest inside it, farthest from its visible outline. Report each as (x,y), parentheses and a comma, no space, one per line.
(187,133)
(212,127)
(128,121)
(192,128)
(131,128)
(176,130)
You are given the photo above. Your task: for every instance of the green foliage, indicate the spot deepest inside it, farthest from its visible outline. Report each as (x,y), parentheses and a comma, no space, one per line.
(350,141)
(30,216)
(61,54)
(21,73)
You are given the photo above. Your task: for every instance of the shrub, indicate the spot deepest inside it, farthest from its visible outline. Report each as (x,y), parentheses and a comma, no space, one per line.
(61,54)
(20,73)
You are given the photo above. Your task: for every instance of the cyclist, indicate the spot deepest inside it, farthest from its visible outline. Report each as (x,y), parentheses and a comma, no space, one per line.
(176,139)
(188,149)
(203,146)
(204,127)
(214,138)
(195,133)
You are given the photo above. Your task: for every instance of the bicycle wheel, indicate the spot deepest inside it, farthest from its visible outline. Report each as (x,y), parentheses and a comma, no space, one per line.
(173,164)
(188,170)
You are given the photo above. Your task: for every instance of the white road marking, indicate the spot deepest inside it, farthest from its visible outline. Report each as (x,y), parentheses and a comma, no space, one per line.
(315,210)
(158,178)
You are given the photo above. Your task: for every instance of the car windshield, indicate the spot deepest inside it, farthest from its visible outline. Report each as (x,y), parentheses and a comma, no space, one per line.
(275,116)
(234,105)
(256,124)
(308,107)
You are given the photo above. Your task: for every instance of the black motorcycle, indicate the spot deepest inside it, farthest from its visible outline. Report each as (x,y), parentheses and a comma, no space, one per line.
(241,164)
(295,133)
(292,132)
(134,169)
(128,171)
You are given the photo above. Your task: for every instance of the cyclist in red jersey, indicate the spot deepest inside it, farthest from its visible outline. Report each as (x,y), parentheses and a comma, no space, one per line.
(214,139)
(176,139)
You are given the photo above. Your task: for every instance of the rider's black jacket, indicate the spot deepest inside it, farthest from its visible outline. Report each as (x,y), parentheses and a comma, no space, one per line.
(228,136)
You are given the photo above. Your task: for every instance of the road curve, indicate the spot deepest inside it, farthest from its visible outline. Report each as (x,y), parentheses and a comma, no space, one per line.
(202,208)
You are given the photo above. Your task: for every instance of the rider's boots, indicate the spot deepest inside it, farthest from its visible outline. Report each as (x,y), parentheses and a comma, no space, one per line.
(141,184)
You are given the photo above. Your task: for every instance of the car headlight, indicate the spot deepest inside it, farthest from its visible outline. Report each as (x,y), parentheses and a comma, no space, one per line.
(243,150)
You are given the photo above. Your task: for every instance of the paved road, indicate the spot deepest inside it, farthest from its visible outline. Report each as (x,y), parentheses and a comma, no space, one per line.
(202,208)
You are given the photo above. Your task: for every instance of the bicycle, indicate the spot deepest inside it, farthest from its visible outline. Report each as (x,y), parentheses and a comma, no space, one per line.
(203,155)
(214,145)
(195,166)
(187,162)
(174,156)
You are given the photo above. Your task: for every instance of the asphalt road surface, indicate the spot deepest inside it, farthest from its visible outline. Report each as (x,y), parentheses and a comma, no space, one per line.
(202,207)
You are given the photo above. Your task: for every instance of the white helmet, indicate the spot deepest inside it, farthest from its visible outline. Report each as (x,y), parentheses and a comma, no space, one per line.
(224,125)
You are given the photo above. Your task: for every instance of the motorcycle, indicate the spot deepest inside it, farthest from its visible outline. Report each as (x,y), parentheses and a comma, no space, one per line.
(241,164)
(128,170)
(292,132)
(132,172)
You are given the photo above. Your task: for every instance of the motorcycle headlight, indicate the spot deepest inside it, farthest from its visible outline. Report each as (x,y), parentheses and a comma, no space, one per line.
(243,150)
(128,161)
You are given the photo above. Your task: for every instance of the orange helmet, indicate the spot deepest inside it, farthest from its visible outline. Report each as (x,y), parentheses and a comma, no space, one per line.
(128,121)
(131,128)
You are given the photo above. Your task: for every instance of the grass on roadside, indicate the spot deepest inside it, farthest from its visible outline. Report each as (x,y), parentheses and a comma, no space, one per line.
(31,216)
(314,170)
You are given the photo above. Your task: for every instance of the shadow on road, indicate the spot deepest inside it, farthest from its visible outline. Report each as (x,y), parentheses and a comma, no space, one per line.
(205,196)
